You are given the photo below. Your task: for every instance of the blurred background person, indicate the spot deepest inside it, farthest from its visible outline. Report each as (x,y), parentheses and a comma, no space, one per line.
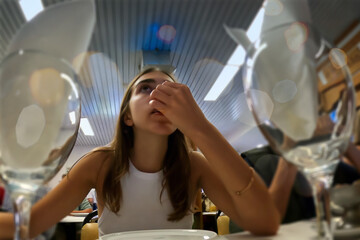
(91,197)
(289,189)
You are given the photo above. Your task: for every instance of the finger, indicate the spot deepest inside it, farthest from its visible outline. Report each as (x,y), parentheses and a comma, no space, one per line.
(158,105)
(165,89)
(177,87)
(159,95)
(171,84)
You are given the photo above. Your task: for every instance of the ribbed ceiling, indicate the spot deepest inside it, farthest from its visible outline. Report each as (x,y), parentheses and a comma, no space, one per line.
(199,50)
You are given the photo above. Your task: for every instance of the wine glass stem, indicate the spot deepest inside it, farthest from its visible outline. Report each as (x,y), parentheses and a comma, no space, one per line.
(22,209)
(322,205)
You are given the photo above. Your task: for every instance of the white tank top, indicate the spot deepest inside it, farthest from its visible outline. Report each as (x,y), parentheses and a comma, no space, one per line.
(141,208)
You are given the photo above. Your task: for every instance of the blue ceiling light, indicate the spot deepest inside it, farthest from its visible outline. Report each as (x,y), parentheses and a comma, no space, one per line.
(150,42)
(158,37)
(156,47)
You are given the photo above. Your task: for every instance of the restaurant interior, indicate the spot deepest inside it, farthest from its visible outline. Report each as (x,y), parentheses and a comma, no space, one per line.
(193,40)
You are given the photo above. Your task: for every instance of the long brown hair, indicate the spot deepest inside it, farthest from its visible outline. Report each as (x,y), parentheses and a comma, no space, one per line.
(176,165)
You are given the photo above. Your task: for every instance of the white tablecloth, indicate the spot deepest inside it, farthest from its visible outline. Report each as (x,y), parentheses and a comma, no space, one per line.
(209,213)
(72,219)
(295,231)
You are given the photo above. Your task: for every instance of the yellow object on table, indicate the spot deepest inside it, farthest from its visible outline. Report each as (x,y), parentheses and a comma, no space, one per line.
(223,225)
(90,231)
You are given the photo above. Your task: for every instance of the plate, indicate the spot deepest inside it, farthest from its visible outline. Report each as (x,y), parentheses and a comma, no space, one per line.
(164,234)
(79,214)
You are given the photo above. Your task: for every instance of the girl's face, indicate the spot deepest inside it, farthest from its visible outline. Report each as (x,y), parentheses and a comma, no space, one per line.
(141,115)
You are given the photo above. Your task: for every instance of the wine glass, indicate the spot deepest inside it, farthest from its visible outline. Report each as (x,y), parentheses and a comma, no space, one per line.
(300,92)
(39,120)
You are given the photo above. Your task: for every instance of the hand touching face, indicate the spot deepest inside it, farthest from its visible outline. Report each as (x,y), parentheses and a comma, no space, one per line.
(142,115)
(176,103)
(160,105)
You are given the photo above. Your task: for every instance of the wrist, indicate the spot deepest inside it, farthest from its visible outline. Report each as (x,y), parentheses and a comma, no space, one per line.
(199,132)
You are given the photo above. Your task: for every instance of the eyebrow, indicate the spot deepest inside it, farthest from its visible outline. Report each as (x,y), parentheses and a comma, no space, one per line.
(148,80)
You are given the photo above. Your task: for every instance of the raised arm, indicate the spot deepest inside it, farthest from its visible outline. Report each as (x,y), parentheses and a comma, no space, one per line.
(59,202)
(253,210)
(253,206)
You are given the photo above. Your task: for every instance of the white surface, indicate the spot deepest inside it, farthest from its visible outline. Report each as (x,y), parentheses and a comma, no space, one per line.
(294,231)
(72,219)
(209,213)
(79,214)
(172,234)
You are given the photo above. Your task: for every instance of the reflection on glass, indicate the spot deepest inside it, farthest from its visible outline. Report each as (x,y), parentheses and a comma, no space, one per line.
(313,104)
(39,119)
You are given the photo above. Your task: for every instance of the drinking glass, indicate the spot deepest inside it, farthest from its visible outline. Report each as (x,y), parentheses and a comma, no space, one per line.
(39,120)
(300,92)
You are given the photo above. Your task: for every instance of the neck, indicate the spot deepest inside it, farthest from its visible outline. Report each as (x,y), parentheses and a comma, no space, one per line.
(149,151)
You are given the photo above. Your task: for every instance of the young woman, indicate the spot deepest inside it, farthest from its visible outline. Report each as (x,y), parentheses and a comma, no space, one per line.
(147,178)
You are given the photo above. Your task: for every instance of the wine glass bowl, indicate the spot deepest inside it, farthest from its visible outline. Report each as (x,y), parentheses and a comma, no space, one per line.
(39,119)
(300,92)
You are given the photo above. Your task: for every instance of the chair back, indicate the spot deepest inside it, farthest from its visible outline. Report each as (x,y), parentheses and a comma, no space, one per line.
(91,217)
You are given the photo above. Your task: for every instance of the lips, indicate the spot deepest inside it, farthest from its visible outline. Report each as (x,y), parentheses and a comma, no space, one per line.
(156,112)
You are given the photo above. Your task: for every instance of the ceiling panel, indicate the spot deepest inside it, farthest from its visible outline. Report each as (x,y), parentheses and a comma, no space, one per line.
(199,51)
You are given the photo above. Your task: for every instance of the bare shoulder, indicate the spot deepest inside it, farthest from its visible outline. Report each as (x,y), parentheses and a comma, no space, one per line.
(199,163)
(99,156)
(197,159)
(94,164)
(94,159)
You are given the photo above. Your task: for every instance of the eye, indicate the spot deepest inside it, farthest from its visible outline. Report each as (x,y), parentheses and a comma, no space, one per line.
(144,88)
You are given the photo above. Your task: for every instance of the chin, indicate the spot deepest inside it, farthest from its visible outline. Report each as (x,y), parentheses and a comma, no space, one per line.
(164,132)
(163,129)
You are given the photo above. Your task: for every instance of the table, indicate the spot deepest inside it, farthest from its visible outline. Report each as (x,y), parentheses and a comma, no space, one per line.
(72,219)
(295,231)
(298,230)
(69,227)
(209,213)
(302,230)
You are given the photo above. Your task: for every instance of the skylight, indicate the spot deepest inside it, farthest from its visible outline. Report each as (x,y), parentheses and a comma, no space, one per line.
(236,60)
(31,8)
(86,127)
